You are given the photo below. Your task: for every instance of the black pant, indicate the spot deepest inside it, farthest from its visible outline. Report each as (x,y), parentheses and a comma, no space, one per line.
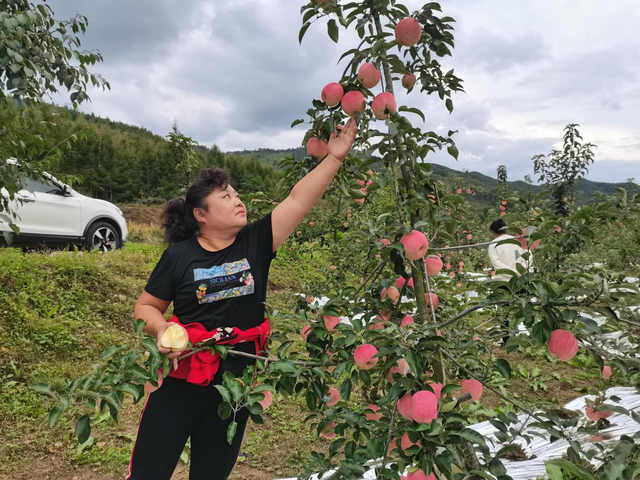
(173,413)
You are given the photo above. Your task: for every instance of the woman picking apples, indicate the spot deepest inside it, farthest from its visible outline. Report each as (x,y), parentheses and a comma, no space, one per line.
(505,256)
(215,272)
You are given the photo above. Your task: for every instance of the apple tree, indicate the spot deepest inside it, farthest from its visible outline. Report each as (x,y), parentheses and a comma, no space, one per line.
(389,367)
(562,169)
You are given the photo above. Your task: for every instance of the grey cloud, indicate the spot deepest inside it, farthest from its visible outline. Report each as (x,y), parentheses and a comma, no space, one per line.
(495,53)
(631,144)
(231,71)
(602,74)
(483,152)
(228,69)
(268,79)
(472,116)
(614,171)
(128,31)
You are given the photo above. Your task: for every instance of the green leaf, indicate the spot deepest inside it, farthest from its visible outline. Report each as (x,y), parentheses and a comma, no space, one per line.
(83,446)
(450,388)
(235,387)
(499,425)
(54,414)
(449,105)
(541,331)
(109,351)
(448,406)
(336,445)
(255,409)
(332,28)
(605,407)
(483,474)
(136,391)
(365,377)
(620,454)
(46,389)
(284,366)
(503,367)
(496,467)
(224,410)
(631,473)
(83,428)
(453,151)
(576,470)
(68,82)
(264,388)
(138,325)
(356,193)
(231,432)
(257,419)
(224,392)
(151,344)
(598,359)
(311,400)
(223,350)
(413,361)
(303,30)
(555,473)
(614,470)
(472,436)
(418,112)
(307,16)
(297,122)
(345,389)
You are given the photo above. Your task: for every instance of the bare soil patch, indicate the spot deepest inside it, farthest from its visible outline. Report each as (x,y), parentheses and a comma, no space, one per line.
(143,214)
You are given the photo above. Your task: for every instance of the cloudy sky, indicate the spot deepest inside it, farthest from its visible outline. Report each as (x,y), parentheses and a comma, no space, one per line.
(233,74)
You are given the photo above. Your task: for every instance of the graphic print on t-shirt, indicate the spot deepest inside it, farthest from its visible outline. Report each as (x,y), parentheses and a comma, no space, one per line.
(228,280)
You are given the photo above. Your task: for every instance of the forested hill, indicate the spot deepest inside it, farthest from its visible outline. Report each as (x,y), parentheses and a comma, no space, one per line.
(129,164)
(487,186)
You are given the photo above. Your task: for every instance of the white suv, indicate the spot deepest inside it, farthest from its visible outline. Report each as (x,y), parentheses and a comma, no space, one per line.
(53,214)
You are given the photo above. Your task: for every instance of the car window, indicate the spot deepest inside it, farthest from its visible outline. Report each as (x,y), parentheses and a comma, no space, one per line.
(36,184)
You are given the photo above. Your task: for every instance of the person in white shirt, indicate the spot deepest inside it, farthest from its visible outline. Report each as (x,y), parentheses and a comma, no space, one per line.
(506,255)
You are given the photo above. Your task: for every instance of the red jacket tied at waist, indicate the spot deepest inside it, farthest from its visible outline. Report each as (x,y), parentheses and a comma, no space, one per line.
(201,367)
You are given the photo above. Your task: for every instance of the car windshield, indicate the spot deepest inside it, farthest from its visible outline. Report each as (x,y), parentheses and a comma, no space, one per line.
(35,183)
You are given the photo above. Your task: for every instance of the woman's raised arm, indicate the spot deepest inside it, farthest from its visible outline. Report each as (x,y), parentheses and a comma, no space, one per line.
(288,214)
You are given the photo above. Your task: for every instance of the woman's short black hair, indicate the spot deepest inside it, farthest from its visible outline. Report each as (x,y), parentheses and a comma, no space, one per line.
(498,226)
(179,222)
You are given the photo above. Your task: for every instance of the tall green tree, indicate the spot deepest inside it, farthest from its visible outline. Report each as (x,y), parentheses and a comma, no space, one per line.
(561,169)
(184,153)
(502,182)
(38,55)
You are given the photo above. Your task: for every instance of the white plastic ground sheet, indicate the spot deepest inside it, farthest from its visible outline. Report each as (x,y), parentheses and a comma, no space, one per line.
(542,449)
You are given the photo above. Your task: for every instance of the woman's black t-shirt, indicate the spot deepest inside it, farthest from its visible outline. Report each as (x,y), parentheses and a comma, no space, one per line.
(226,288)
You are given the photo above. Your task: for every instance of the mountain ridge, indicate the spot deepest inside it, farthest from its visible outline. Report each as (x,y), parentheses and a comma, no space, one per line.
(585,188)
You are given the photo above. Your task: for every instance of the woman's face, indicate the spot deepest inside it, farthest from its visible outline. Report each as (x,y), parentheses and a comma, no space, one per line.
(225,211)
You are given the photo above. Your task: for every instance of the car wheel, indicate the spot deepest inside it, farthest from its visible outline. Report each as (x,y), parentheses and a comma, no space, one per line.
(102,236)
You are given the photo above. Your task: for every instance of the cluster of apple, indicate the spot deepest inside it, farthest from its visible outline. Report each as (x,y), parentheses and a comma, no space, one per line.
(407,32)
(421,406)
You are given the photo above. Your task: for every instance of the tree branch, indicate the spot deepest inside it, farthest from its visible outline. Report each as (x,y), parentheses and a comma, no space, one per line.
(497,392)
(386,448)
